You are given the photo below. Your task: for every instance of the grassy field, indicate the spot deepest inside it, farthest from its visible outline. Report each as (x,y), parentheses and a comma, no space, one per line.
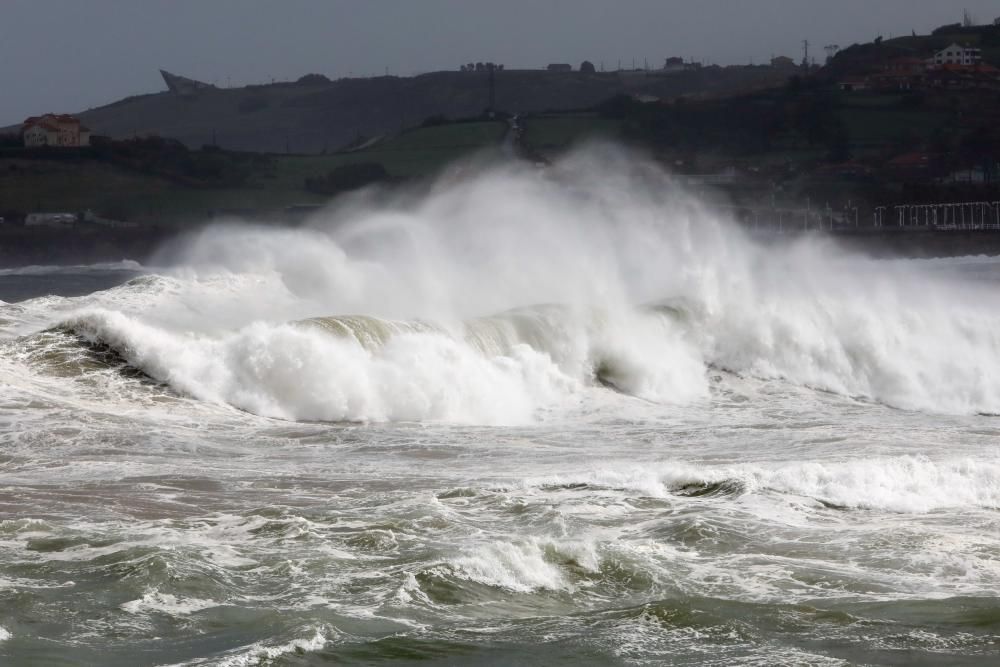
(553,133)
(73,186)
(874,125)
(415,153)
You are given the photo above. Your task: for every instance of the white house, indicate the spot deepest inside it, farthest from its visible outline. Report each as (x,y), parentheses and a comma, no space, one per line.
(41,134)
(957,55)
(54,130)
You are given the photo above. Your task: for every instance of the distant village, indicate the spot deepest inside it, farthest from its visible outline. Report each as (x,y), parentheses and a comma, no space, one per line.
(955,67)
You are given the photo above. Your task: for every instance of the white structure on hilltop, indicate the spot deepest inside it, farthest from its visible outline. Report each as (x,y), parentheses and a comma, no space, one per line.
(957,55)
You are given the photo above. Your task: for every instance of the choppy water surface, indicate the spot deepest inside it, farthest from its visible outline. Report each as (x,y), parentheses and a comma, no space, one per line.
(671,447)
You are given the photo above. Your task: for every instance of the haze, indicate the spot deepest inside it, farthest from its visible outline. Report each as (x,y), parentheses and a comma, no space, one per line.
(67,56)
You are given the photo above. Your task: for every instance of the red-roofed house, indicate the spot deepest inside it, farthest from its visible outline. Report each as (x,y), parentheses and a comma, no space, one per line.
(915,166)
(54,130)
(953,77)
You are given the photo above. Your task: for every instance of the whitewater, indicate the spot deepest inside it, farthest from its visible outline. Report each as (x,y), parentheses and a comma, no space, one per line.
(514,416)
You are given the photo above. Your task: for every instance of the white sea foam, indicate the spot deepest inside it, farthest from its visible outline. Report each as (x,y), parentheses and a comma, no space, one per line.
(4,634)
(602,234)
(525,565)
(166,603)
(901,484)
(293,372)
(262,653)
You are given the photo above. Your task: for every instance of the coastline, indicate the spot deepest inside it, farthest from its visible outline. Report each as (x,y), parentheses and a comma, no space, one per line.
(28,246)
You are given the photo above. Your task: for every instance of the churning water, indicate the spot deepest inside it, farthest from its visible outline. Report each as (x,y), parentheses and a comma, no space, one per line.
(567,417)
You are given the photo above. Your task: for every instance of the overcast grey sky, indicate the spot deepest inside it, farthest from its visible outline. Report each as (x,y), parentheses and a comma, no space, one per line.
(68,55)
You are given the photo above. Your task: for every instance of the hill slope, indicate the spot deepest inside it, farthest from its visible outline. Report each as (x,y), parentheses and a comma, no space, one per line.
(314,116)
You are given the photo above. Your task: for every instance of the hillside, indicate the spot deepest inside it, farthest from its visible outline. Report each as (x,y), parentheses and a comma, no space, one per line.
(142,192)
(317,115)
(862,58)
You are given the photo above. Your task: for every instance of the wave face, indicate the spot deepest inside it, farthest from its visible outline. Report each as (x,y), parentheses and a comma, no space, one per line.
(650,288)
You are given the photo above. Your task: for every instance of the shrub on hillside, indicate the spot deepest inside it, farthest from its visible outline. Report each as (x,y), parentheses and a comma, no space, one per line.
(347,177)
(313,79)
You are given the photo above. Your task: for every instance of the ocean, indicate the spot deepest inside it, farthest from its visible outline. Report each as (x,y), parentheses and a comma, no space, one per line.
(570,416)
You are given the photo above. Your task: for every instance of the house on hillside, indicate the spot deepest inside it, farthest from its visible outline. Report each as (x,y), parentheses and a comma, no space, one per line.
(54,130)
(560,67)
(956,55)
(40,134)
(914,167)
(964,77)
(674,64)
(901,74)
(854,84)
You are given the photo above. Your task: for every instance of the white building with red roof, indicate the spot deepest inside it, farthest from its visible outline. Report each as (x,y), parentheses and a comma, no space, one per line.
(54,130)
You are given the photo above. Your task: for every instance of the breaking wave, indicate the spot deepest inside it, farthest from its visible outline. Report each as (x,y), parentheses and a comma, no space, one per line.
(360,368)
(652,289)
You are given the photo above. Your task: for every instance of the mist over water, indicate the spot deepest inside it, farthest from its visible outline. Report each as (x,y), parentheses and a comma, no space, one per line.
(514,415)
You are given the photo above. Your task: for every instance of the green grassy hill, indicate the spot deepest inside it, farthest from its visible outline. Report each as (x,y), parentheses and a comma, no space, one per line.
(324,116)
(120,192)
(551,133)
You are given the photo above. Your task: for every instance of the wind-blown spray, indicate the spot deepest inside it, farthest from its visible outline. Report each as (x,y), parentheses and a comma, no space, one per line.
(501,291)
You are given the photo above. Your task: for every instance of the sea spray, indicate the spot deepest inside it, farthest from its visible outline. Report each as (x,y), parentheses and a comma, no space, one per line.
(603,236)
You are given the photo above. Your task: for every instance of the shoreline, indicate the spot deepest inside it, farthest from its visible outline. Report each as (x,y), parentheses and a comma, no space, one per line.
(35,246)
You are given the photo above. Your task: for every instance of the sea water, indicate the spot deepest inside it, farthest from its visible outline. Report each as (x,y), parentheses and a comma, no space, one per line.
(559,417)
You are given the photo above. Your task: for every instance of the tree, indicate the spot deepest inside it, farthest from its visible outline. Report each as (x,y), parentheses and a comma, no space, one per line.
(313,79)
(588,67)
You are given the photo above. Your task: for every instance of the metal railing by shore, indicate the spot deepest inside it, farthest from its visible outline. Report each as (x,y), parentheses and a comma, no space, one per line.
(956,216)
(942,217)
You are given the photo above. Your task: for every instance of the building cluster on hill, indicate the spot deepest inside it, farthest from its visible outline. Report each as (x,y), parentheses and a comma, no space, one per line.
(54,130)
(955,67)
(481,67)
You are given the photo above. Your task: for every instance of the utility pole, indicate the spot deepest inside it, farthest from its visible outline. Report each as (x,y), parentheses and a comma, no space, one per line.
(493,90)
(805,53)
